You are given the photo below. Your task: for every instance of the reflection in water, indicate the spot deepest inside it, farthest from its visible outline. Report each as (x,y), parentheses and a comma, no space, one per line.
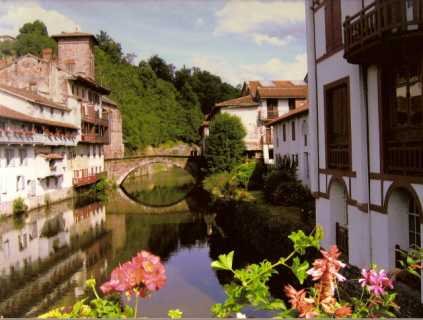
(47,258)
(48,253)
(163,188)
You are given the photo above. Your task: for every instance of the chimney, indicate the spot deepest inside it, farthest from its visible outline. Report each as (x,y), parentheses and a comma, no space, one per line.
(47,54)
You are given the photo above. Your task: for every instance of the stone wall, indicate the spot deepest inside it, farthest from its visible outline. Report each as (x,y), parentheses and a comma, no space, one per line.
(78,51)
(115,149)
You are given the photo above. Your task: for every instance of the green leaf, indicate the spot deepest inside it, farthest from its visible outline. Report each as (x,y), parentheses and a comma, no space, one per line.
(224,262)
(175,314)
(300,269)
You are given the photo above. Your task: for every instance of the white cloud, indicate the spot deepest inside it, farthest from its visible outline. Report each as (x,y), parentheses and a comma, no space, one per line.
(199,22)
(264,22)
(14,15)
(266,39)
(273,69)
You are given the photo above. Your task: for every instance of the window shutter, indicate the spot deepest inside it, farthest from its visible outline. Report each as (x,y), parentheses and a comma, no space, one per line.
(328,25)
(337,23)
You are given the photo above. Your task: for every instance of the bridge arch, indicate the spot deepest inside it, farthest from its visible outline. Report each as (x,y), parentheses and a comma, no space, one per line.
(118,169)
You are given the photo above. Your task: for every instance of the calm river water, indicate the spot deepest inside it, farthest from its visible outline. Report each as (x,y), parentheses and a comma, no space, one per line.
(47,256)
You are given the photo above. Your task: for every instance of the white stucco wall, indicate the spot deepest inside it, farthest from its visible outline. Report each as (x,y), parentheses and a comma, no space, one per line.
(294,147)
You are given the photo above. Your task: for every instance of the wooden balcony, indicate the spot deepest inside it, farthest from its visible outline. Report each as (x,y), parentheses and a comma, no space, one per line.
(383,30)
(404,158)
(338,156)
(86,180)
(94,138)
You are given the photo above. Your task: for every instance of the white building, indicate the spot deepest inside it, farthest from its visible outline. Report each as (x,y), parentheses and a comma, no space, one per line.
(290,139)
(54,118)
(366,125)
(258,105)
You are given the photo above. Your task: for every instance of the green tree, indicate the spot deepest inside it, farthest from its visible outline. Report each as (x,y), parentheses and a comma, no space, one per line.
(225,143)
(112,48)
(33,38)
(162,70)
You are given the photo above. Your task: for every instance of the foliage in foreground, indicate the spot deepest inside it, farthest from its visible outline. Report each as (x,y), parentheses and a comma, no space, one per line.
(250,286)
(144,274)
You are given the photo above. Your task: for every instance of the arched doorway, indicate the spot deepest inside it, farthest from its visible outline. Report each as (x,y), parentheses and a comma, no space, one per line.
(404,215)
(339,214)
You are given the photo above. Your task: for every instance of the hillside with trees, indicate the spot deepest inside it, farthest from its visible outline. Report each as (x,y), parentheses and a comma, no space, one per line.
(159,103)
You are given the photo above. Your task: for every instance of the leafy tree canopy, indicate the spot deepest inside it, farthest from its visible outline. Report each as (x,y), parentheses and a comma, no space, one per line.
(225,143)
(33,38)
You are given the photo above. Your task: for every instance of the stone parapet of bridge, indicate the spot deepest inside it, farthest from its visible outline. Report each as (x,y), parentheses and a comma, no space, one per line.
(118,169)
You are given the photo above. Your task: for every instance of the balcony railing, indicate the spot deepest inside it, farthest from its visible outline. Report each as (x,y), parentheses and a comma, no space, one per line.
(381,20)
(338,156)
(18,136)
(404,158)
(88,114)
(94,138)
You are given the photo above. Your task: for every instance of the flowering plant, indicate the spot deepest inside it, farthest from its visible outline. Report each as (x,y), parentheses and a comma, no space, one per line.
(322,299)
(138,277)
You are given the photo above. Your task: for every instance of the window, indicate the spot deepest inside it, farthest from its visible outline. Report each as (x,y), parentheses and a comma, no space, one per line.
(284,132)
(22,156)
(293,130)
(272,108)
(337,125)
(277,136)
(271,154)
(413,224)
(291,103)
(70,67)
(403,117)
(333,25)
(20,183)
(305,140)
(10,153)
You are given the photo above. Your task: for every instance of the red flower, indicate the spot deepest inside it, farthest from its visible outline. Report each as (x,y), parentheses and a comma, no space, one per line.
(299,301)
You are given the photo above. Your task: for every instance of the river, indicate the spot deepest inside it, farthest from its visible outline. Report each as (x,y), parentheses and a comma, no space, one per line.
(47,255)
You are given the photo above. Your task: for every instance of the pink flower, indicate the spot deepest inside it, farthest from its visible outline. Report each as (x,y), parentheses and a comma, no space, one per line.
(143,274)
(376,282)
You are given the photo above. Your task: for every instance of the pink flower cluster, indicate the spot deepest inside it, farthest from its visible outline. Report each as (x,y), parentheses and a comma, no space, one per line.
(376,282)
(141,275)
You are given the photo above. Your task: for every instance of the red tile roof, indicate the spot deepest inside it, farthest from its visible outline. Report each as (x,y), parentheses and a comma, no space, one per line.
(283,83)
(9,113)
(296,112)
(32,97)
(282,92)
(245,101)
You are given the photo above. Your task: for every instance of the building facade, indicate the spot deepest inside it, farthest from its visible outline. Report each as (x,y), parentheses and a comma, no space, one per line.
(115,149)
(52,114)
(366,125)
(258,105)
(290,140)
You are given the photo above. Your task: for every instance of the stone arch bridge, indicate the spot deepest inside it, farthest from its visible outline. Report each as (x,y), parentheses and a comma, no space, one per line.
(118,169)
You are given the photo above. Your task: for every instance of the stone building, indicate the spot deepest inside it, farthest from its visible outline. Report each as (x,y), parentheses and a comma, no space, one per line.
(63,92)
(115,149)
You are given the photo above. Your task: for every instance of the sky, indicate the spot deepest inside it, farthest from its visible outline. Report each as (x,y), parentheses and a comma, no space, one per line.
(238,40)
